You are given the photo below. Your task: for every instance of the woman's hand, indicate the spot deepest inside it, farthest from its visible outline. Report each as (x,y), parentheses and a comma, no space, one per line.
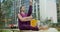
(30,17)
(30,2)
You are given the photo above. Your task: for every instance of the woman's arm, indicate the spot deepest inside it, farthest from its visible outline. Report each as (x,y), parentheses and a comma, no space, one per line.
(29,18)
(25,18)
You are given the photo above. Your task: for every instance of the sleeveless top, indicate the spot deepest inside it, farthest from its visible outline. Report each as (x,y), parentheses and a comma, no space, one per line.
(26,24)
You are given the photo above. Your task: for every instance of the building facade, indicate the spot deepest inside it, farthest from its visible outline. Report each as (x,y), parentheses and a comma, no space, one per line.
(48,9)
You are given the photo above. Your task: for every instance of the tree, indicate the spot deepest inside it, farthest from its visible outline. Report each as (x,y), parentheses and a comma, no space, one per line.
(5,10)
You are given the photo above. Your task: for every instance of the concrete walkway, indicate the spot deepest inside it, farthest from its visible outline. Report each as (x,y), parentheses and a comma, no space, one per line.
(49,30)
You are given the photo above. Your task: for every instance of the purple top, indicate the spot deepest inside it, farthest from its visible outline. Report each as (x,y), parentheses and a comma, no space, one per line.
(26,25)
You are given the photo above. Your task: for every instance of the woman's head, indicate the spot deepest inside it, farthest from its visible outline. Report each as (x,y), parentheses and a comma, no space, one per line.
(22,8)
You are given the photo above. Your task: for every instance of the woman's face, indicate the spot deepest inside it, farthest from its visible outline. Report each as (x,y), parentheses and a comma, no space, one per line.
(23,8)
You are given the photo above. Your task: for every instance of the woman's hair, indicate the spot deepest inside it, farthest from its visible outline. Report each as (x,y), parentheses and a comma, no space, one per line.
(21,7)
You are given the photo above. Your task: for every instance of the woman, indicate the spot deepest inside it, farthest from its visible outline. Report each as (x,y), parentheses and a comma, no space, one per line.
(25,18)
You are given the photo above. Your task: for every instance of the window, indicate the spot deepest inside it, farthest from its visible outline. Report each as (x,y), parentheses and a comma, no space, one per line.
(36,9)
(58,9)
